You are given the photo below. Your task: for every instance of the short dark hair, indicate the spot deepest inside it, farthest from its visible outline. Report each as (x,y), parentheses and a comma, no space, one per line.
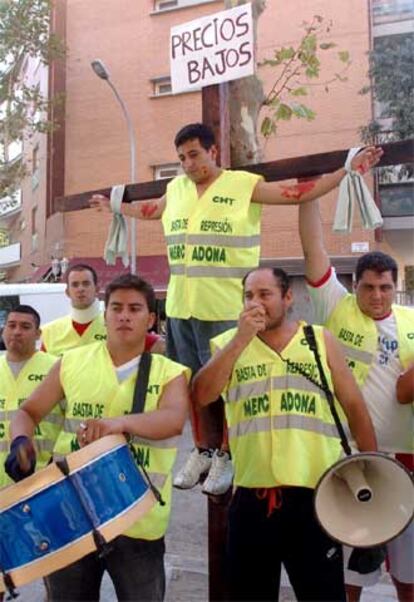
(26,309)
(280,276)
(193,131)
(131,282)
(377,262)
(82,267)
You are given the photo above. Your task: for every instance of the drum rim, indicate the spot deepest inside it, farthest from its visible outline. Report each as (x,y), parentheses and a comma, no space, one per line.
(51,474)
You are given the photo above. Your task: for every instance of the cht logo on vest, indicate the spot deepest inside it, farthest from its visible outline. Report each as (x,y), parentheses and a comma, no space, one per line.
(36,377)
(410,336)
(100,337)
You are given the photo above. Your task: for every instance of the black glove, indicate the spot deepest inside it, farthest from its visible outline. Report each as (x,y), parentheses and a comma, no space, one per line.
(366,560)
(21,461)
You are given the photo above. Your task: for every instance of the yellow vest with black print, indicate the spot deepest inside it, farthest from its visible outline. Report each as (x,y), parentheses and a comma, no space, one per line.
(92,390)
(212,241)
(281,431)
(13,392)
(60,336)
(358,335)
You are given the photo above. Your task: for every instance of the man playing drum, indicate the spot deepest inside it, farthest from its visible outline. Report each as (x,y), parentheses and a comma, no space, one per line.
(98,382)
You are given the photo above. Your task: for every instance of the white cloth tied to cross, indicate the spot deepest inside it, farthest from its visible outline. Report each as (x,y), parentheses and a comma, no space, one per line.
(354,189)
(117,242)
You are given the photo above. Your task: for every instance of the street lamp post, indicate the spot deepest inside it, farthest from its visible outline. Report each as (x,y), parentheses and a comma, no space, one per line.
(101,71)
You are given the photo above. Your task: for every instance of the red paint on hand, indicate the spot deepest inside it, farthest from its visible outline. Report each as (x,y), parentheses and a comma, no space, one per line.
(363,168)
(297,190)
(148,209)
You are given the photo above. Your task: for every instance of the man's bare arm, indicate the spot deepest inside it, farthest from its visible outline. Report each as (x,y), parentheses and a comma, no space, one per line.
(317,261)
(279,193)
(140,210)
(40,403)
(350,397)
(166,421)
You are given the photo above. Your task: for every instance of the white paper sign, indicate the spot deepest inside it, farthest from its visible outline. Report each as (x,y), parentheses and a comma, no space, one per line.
(213,49)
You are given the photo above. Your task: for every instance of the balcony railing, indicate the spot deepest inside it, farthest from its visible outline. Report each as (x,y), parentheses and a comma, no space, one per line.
(10,205)
(383,10)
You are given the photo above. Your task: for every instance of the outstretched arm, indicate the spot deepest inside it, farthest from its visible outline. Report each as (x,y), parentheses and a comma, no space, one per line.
(349,396)
(142,210)
(276,193)
(317,261)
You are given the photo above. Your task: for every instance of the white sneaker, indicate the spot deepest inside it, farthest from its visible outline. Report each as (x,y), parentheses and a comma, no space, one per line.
(220,476)
(197,465)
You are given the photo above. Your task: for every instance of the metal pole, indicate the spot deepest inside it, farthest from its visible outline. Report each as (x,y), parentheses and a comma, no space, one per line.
(132,152)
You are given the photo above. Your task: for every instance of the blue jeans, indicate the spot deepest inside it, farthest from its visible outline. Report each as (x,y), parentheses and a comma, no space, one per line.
(188,342)
(136,567)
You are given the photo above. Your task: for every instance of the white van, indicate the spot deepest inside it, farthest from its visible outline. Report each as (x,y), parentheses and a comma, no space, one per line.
(48,299)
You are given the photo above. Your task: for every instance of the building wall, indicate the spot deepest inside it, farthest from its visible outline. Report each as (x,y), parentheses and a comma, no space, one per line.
(133,43)
(132,40)
(29,227)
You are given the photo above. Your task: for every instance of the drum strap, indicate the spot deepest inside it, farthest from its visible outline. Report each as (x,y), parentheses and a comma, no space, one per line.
(141,384)
(102,546)
(9,584)
(138,405)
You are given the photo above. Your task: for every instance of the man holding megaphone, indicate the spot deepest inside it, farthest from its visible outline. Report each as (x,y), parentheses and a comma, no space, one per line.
(378,339)
(282,437)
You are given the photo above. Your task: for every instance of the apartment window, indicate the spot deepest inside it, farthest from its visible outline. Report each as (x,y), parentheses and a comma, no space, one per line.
(167,170)
(165,5)
(161,86)
(160,5)
(35,158)
(383,8)
(34,229)
(35,167)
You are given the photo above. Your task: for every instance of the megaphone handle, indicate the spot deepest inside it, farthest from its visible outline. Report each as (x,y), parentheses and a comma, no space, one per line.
(311,340)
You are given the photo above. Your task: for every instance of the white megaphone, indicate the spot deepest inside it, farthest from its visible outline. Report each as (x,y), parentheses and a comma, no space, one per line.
(365,500)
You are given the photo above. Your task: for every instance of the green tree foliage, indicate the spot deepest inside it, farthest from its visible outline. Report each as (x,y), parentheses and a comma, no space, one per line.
(392,76)
(24,32)
(296,69)
(392,86)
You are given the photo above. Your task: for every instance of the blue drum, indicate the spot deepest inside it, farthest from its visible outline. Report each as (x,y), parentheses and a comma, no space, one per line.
(52,519)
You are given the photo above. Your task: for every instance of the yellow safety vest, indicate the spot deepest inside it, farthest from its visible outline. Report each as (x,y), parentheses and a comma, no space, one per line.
(281,431)
(13,392)
(59,336)
(212,241)
(358,334)
(96,393)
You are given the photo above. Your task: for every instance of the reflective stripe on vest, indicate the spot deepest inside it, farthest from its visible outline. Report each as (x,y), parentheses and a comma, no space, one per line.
(213,241)
(267,423)
(97,392)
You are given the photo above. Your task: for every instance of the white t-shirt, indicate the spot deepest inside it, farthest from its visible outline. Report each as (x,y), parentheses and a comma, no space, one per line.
(393,422)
